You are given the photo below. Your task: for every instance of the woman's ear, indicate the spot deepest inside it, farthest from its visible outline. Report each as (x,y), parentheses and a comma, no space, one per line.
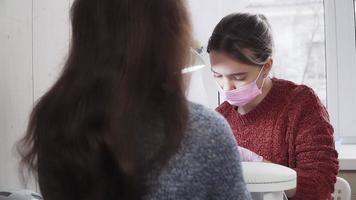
(267,67)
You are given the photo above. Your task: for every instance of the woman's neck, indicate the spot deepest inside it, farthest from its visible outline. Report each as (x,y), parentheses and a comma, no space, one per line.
(252,105)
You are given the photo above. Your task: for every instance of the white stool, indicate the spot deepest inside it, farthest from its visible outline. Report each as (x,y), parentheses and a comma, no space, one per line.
(342,190)
(268,181)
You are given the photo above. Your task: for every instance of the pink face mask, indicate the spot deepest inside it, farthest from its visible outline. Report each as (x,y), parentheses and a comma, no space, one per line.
(244,94)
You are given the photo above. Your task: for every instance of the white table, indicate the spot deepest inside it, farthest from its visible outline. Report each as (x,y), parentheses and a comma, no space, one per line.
(268,181)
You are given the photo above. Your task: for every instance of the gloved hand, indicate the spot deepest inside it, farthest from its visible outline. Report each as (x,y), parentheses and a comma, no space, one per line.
(249,156)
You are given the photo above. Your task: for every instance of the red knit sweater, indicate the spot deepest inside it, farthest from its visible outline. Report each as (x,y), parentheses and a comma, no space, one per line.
(291,127)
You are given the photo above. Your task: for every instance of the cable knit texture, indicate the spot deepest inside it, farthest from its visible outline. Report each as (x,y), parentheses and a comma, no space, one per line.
(206,166)
(291,127)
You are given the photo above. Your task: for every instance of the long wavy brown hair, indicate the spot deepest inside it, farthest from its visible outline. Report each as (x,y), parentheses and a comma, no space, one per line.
(86,135)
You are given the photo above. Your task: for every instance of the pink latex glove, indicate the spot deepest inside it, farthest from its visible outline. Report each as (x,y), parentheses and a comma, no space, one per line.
(249,156)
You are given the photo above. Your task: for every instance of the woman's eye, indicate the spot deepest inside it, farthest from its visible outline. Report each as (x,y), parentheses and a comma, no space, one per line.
(239,78)
(217,75)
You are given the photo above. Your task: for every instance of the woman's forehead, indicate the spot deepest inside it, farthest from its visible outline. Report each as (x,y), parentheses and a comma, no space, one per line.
(218,58)
(223,64)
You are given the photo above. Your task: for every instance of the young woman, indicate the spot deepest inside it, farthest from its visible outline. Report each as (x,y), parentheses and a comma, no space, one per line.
(273,119)
(117,125)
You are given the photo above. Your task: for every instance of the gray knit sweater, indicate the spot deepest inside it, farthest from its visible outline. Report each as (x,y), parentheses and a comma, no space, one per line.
(206,166)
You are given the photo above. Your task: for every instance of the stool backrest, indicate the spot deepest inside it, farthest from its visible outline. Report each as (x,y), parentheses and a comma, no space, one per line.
(342,190)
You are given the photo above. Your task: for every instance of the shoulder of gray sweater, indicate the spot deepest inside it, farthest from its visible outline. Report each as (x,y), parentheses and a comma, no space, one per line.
(217,152)
(204,117)
(208,124)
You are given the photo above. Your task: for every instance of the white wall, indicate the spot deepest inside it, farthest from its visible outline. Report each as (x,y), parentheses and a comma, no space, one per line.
(33,41)
(207,13)
(15,81)
(50,41)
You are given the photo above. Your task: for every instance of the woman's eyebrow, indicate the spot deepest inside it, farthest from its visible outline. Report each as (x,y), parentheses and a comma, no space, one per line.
(234,74)
(238,74)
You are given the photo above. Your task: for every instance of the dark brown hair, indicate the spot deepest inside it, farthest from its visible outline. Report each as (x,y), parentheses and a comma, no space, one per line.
(243,36)
(122,76)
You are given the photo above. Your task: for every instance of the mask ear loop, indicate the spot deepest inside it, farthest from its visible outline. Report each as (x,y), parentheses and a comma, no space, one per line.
(259,74)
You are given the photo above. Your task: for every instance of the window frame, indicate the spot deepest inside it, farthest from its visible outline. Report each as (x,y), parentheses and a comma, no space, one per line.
(341,65)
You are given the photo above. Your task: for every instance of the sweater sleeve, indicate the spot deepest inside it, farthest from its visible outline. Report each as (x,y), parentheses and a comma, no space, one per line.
(313,154)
